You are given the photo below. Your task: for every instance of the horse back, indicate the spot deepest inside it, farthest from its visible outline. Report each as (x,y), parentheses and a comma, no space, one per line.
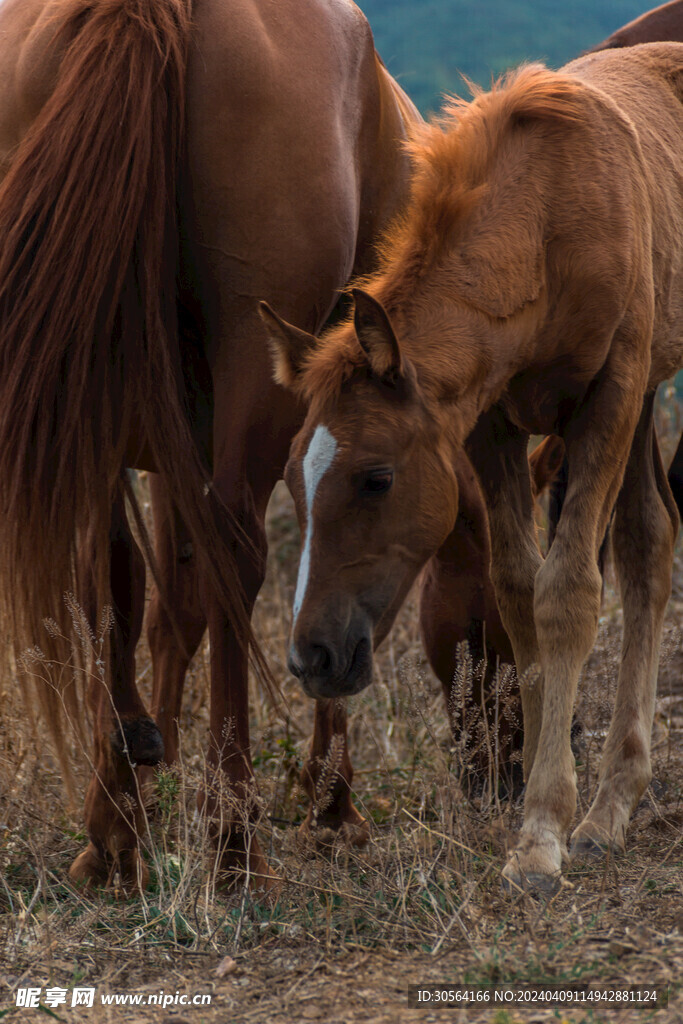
(646,85)
(664,22)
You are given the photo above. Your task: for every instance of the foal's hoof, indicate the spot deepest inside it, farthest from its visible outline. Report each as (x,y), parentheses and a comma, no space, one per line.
(587,848)
(535,866)
(92,870)
(139,740)
(534,883)
(588,843)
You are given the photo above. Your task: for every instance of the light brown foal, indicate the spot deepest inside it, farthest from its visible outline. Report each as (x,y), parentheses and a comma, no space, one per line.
(535,284)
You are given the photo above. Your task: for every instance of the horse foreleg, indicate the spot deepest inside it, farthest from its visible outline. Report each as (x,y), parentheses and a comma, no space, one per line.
(125,735)
(644,532)
(566,608)
(326,776)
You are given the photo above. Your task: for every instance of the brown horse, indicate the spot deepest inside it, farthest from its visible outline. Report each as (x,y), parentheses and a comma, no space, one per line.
(517,295)
(100,216)
(162,169)
(661,24)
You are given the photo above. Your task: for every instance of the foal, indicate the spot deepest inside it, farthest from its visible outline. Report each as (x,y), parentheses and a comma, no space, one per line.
(517,295)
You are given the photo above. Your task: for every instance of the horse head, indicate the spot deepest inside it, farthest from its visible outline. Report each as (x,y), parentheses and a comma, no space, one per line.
(375,489)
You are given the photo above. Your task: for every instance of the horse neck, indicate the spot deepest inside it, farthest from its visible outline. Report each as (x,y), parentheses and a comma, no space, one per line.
(464,367)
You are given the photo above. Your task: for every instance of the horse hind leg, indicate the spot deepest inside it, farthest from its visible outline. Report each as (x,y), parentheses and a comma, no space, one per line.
(644,532)
(124,736)
(229,797)
(175,620)
(326,777)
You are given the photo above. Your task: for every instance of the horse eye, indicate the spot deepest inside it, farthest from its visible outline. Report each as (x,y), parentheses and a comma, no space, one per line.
(377,482)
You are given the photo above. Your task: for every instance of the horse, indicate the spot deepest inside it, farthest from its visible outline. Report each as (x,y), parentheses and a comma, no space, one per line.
(164,166)
(516,296)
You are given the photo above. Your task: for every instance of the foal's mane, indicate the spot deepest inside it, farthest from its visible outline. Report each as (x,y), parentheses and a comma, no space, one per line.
(452,158)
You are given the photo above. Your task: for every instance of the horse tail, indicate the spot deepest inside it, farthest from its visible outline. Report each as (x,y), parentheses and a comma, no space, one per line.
(89,349)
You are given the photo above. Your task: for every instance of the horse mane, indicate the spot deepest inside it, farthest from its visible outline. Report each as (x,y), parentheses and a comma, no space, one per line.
(452,157)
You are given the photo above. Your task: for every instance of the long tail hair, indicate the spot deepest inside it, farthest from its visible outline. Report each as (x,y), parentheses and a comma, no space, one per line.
(88,312)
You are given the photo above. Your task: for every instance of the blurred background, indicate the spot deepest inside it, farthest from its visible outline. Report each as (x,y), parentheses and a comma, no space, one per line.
(426,44)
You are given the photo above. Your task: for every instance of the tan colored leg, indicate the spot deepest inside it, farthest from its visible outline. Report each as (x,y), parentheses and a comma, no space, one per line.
(643,535)
(565,610)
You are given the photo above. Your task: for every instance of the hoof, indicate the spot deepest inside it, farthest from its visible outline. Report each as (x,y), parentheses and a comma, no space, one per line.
(92,870)
(351,830)
(139,740)
(233,871)
(588,849)
(535,866)
(589,845)
(513,882)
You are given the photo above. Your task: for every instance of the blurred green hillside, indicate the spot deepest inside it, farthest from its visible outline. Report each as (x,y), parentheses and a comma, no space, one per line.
(427,43)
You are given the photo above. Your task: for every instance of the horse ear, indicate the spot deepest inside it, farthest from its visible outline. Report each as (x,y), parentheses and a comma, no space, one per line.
(289,346)
(376,336)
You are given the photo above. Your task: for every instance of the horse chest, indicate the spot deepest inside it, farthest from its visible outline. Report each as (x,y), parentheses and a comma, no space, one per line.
(541,401)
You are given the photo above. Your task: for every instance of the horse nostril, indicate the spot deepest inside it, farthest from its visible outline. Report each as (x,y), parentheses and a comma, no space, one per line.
(294,665)
(310,660)
(320,660)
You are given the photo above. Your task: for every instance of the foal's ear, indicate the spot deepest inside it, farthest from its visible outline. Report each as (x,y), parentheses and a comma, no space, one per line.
(289,346)
(376,336)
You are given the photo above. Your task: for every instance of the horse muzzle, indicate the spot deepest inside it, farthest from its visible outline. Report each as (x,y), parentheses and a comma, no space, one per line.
(325,671)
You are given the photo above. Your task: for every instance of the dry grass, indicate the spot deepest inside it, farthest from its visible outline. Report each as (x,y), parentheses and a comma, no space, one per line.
(422,904)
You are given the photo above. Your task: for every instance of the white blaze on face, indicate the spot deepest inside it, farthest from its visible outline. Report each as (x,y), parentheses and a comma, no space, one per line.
(317,461)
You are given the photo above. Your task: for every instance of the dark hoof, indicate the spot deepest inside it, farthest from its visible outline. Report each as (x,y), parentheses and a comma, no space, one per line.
(533,884)
(138,740)
(588,848)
